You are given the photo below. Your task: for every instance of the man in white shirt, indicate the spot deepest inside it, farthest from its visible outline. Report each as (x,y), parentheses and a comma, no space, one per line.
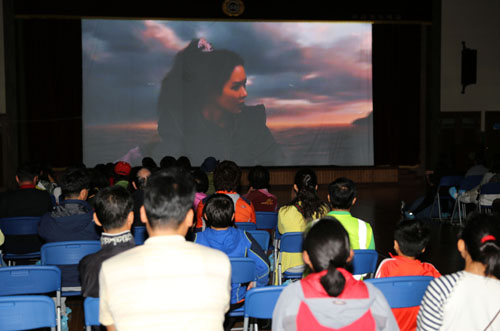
(167,283)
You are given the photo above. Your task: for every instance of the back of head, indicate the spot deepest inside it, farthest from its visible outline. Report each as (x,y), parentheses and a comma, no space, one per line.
(412,237)
(149,162)
(112,207)
(310,204)
(219,211)
(327,244)
(227,176)
(140,177)
(183,162)
(168,196)
(209,164)
(482,240)
(73,181)
(200,180)
(167,161)
(342,192)
(258,177)
(26,172)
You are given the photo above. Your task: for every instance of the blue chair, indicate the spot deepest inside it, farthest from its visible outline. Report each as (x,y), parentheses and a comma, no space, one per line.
(402,292)
(442,194)
(140,234)
(32,279)
(262,237)
(66,253)
(26,312)
(20,226)
(364,261)
(242,272)
(290,242)
(247,226)
(91,312)
(259,303)
(466,184)
(266,220)
(491,188)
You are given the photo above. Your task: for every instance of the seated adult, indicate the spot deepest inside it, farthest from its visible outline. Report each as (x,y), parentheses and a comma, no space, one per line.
(220,234)
(342,196)
(168,283)
(305,207)
(258,193)
(113,211)
(139,180)
(468,299)
(227,178)
(27,200)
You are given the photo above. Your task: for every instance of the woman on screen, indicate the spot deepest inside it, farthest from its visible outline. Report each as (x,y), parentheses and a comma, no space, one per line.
(202,110)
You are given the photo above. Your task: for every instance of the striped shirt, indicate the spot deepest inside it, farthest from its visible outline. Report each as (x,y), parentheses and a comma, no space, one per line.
(460,301)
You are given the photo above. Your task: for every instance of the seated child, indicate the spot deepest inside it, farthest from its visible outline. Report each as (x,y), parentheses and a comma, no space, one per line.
(220,234)
(410,239)
(201,182)
(258,193)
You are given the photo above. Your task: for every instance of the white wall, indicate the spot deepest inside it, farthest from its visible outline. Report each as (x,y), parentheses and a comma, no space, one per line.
(477,23)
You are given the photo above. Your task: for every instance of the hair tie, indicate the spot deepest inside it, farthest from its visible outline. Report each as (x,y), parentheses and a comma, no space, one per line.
(488,237)
(204,45)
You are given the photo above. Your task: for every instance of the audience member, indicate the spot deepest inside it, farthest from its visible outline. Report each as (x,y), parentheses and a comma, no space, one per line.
(47,182)
(342,196)
(330,298)
(183,162)
(139,182)
(220,234)
(468,299)
(227,176)
(167,161)
(477,168)
(167,283)
(98,181)
(258,193)
(122,174)
(201,182)
(148,162)
(27,200)
(410,239)
(208,166)
(113,212)
(305,207)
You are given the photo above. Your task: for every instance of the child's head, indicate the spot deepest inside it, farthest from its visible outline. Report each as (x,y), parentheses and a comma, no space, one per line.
(219,211)
(258,177)
(113,208)
(481,240)
(201,181)
(326,247)
(411,237)
(342,193)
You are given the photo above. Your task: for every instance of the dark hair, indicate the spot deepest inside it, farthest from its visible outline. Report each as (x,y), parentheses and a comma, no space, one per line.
(168,196)
(412,237)
(482,240)
(139,181)
(148,162)
(183,162)
(167,161)
(200,180)
(227,176)
(27,171)
(342,192)
(258,177)
(195,70)
(307,201)
(74,180)
(112,206)
(219,210)
(327,244)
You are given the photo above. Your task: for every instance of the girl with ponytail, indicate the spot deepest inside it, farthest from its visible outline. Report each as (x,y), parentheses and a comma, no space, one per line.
(468,299)
(330,298)
(305,207)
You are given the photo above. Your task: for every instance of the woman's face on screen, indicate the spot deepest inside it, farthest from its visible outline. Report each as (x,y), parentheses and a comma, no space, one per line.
(234,91)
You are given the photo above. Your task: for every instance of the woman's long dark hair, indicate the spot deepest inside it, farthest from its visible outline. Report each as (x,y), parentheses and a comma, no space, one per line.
(307,200)
(482,240)
(328,247)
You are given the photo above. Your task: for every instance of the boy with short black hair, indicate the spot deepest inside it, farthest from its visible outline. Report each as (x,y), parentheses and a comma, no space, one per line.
(410,239)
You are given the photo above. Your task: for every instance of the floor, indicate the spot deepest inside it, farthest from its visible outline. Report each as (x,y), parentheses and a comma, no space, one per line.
(378,204)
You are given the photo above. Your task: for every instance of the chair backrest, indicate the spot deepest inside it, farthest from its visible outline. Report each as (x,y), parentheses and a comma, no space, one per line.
(469,182)
(262,237)
(140,234)
(19,225)
(68,252)
(266,219)
(31,279)
(291,242)
(27,312)
(242,270)
(260,301)
(405,291)
(91,311)
(450,180)
(364,261)
(245,226)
